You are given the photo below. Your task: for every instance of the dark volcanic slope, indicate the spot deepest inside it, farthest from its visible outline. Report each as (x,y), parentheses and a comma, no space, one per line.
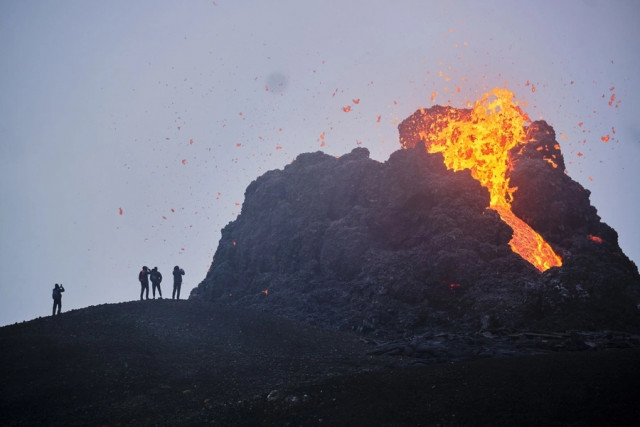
(133,361)
(189,363)
(407,247)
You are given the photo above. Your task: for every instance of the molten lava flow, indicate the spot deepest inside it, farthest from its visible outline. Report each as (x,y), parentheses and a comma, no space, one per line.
(527,243)
(480,141)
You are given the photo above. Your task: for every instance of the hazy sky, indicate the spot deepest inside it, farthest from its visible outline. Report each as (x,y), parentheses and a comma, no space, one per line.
(129,130)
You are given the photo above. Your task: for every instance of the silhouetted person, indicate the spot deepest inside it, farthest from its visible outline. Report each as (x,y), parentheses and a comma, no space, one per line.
(156,278)
(57,298)
(177,281)
(144,281)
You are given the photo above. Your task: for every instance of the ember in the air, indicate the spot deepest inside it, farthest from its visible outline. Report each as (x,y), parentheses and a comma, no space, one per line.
(480,140)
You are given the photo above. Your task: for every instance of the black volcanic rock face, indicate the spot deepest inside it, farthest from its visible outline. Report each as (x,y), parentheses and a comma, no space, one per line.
(408,247)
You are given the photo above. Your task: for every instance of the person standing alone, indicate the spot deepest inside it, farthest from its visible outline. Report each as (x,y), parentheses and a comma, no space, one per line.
(177,281)
(57,298)
(143,277)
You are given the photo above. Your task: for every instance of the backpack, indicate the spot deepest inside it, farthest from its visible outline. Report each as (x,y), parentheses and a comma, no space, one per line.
(156,277)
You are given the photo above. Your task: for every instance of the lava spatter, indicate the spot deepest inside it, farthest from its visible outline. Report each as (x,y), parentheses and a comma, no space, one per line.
(480,140)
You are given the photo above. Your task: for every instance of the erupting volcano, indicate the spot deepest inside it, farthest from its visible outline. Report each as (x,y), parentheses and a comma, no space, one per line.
(481,140)
(454,232)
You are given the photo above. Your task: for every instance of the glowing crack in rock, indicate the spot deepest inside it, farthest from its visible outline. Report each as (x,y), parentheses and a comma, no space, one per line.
(480,140)
(594,238)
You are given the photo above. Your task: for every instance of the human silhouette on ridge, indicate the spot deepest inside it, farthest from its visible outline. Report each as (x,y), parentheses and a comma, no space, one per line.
(143,277)
(177,281)
(57,298)
(156,278)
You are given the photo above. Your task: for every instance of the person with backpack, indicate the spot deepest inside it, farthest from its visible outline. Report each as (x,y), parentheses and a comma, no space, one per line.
(57,298)
(143,277)
(177,281)
(156,278)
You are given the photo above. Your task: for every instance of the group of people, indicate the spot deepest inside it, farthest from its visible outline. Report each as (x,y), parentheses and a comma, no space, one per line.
(156,278)
(144,276)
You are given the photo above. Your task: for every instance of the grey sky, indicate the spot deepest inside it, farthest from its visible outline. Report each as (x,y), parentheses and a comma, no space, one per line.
(168,110)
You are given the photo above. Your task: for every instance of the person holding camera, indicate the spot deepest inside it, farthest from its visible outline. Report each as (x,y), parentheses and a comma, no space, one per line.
(57,298)
(177,281)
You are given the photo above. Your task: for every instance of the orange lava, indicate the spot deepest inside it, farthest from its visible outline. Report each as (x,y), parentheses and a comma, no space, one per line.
(481,141)
(594,238)
(527,243)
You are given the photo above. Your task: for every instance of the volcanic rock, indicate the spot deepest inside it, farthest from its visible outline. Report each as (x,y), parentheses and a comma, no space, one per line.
(167,362)
(409,248)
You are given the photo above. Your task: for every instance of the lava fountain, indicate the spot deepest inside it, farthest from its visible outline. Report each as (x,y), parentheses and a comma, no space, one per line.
(480,140)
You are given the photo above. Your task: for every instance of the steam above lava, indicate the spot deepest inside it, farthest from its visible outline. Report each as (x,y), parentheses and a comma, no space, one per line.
(481,140)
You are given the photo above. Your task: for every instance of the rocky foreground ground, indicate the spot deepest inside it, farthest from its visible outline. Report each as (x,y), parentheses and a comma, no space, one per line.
(185,362)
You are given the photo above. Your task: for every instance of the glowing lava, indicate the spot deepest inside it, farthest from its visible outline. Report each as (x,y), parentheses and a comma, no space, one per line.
(480,140)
